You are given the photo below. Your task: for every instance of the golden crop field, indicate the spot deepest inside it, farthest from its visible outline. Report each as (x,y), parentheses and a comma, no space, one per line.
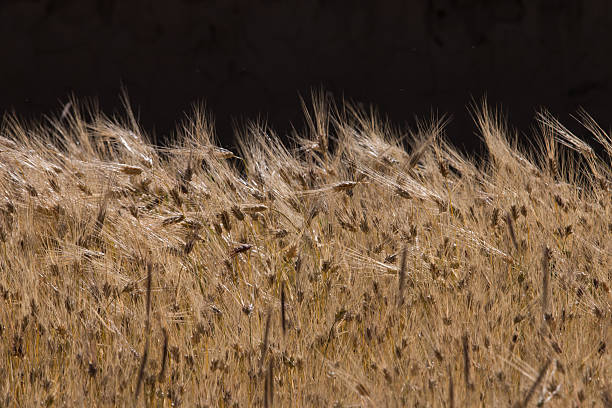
(356,267)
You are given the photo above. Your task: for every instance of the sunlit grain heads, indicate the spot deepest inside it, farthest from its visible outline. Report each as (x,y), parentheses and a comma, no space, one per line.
(345,222)
(134,211)
(237,212)
(495,217)
(444,168)
(53,183)
(247,309)
(101,214)
(280,233)
(240,248)
(514,212)
(221,153)
(190,242)
(344,186)
(7,143)
(152,204)
(403,193)
(560,202)
(252,209)
(418,153)
(564,232)
(130,170)
(184,178)
(31,190)
(175,219)
(176,196)
(224,217)
(84,188)
(285,230)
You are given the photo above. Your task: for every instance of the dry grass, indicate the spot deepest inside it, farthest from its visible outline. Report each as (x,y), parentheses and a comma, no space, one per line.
(350,270)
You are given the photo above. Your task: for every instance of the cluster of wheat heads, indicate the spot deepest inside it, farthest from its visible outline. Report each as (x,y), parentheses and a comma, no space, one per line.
(355,268)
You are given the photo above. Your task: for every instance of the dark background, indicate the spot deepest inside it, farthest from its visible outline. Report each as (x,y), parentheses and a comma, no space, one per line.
(252,58)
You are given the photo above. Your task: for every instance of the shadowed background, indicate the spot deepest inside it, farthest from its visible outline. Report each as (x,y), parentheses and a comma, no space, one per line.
(252,58)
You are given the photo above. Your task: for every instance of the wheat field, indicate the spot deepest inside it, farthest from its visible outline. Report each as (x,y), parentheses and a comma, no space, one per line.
(355,266)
